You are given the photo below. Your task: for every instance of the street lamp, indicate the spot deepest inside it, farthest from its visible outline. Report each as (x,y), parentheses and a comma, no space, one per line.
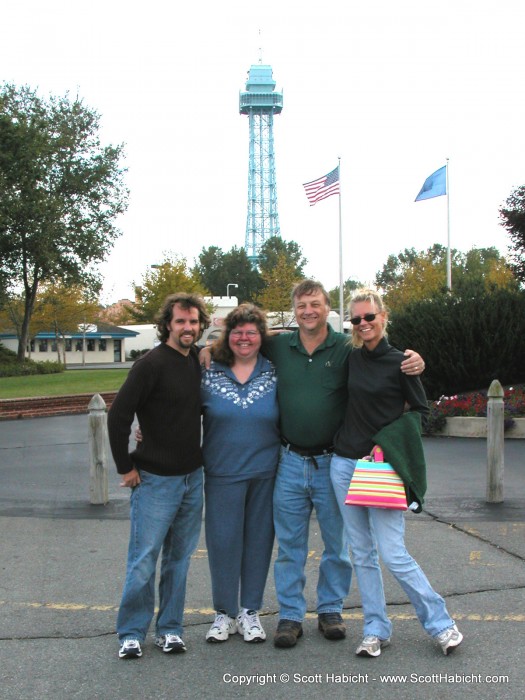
(230,284)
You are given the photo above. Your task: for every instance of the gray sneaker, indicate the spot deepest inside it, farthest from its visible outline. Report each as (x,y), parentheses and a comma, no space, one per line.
(371,646)
(170,643)
(449,639)
(130,649)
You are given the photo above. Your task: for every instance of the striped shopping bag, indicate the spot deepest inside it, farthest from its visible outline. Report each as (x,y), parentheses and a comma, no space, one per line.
(376,484)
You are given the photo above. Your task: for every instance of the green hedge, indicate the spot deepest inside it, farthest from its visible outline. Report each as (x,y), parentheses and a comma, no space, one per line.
(466,343)
(10,367)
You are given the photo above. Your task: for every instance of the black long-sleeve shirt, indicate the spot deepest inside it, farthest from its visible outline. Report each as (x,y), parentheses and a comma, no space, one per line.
(163,390)
(377,393)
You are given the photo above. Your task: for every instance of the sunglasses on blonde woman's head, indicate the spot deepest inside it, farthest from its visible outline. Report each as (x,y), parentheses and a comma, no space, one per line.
(356,320)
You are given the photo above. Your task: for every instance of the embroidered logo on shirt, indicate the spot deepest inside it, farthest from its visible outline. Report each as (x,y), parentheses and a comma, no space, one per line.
(243,395)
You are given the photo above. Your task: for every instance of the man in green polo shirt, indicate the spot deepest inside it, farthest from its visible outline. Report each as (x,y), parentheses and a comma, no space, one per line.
(312,369)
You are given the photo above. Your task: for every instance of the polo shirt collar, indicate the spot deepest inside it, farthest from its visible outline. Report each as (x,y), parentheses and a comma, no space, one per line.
(329,341)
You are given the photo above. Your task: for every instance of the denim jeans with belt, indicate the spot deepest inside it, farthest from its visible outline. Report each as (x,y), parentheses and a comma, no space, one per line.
(166,512)
(303,483)
(379,530)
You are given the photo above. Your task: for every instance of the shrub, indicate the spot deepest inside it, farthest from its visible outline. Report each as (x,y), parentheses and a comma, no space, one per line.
(10,367)
(135,354)
(466,343)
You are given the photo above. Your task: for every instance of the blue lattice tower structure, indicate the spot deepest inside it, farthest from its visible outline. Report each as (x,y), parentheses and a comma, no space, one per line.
(260,102)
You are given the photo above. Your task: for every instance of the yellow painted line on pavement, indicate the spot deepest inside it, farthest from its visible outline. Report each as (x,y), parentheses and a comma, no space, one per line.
(475,559)
(209,612)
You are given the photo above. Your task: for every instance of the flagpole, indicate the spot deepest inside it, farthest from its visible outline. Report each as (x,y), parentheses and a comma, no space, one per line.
(341,291)
(449,254)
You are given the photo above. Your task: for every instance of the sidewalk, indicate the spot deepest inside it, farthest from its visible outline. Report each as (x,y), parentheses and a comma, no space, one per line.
(63,564)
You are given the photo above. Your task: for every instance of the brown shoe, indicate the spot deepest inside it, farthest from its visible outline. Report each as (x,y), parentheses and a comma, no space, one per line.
(332,625)
(287,634)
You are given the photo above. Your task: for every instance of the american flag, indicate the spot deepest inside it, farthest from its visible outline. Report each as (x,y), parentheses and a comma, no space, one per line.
(323,187)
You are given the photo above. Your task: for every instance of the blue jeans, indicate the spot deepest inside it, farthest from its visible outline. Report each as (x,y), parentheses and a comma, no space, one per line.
(379,530)
(300,487)
(239,538)
(166,512)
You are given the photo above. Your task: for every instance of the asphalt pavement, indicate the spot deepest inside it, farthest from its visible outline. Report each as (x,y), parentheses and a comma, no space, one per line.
(62,566)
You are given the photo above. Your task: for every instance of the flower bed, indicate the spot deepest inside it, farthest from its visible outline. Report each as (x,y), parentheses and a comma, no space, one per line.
(474,405)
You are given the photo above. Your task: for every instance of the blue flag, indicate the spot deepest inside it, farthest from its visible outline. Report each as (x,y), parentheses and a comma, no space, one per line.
(434,186)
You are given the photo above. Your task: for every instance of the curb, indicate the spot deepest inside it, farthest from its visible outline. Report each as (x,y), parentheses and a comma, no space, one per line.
(48,406)
(467,426)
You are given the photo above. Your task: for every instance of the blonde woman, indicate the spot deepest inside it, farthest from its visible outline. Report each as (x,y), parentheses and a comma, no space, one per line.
(378,392)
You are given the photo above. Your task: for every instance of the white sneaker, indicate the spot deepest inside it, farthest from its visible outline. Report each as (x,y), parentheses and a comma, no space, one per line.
(371,646)
(449,639)
(221,629)
(249,625)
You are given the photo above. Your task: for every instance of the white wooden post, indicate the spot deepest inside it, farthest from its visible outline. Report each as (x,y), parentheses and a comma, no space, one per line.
(495,443)
(98,459)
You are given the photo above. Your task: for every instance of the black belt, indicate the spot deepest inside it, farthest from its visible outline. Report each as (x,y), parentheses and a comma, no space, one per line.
(310,452)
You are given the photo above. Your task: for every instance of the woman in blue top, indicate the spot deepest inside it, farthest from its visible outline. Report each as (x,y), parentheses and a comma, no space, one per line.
(241,449)
(377,394)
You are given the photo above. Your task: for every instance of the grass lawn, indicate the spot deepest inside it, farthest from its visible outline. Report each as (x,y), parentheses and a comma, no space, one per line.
(78,381)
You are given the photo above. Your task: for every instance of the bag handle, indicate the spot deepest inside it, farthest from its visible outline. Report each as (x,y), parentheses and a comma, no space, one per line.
(377,454)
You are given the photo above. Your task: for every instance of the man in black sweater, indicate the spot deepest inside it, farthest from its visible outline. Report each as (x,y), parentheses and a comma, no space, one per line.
(164,473)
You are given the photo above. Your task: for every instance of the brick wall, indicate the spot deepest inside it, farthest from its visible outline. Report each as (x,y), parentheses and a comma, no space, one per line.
(42,406)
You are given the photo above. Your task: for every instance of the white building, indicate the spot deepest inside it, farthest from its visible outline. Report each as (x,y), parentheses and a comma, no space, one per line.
(97,343)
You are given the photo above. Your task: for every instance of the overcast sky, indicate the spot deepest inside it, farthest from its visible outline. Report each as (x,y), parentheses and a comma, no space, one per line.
(393,88)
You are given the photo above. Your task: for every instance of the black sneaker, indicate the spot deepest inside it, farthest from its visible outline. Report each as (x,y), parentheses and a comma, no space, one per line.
(130,649)
(287,634)
(332,625)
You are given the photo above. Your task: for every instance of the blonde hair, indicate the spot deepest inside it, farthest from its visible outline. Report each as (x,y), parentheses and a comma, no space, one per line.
(374,297)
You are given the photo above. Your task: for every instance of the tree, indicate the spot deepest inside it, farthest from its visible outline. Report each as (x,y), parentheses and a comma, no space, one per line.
(63,309)
(217,270)
(425,278)
(172,275)
(414,276)
(396,266)
(273,248)
(241,271)
(60,194)
(279,282)
(348,287)
(211,270)
(394,269)
(512,217)
(12,313)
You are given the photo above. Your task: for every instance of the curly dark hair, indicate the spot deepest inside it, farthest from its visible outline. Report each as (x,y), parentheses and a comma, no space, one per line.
(186,302)
(244,313)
